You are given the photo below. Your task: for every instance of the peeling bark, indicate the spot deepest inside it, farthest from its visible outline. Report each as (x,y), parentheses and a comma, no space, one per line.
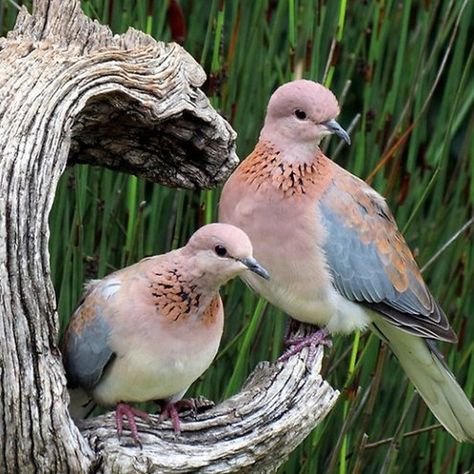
(72,92)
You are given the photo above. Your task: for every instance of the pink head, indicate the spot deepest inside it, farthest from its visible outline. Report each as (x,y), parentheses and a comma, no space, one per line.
(221,252)
(300,114)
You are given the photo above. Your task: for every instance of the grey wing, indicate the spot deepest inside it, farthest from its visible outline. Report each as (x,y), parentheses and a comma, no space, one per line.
(371,263)
(86,349)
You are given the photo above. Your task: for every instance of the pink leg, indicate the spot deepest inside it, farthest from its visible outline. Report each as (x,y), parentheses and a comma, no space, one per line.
(312,341)
(123,410)
(170,411)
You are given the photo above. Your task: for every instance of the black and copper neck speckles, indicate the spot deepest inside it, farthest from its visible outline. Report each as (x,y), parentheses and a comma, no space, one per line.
(177,299)
(173,296)
(265,165)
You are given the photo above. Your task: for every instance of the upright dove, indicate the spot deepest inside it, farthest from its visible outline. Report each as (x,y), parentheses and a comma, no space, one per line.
(148,331)
(333,249)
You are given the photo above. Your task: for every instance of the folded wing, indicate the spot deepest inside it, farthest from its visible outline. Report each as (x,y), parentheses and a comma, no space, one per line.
(371,263)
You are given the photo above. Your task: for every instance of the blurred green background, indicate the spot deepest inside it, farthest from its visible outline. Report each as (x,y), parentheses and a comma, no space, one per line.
(405,78)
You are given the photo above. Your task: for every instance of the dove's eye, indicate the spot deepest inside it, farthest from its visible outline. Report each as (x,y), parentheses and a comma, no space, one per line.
(300,114)
(220,250)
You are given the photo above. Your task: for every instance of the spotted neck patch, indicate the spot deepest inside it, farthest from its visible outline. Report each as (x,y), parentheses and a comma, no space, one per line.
(264,165)
(175,298)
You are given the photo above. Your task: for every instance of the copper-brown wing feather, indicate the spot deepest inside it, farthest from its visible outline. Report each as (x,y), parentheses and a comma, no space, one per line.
(371,263)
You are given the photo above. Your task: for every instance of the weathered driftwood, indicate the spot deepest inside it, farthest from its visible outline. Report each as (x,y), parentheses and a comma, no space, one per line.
(72,92)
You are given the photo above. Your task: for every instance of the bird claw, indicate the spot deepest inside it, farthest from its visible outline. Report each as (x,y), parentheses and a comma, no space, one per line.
(123,410)
(312,341)
(169,410)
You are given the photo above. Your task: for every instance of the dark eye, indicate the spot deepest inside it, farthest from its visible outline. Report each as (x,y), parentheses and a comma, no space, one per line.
(220,250)
(300,114)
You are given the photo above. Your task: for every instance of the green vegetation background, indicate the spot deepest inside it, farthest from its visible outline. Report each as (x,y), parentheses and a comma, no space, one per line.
(404,73)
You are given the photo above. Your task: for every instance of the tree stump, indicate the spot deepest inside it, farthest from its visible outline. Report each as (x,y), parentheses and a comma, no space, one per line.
(72,92)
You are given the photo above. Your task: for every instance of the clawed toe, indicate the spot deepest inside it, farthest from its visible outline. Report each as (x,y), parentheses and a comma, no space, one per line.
(123,410)
(170,411)
(296,344)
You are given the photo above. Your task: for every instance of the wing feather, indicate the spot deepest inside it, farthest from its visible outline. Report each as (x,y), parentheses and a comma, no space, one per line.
(86,351)
(371,263)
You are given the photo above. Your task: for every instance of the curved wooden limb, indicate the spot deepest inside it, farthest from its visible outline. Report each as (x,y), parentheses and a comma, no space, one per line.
(254,431)
(126,102)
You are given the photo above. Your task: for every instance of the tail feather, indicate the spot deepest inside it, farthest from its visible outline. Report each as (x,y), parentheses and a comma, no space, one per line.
(435,383)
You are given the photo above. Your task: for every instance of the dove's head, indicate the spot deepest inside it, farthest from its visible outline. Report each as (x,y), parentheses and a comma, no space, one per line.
(299,115)
(220,252)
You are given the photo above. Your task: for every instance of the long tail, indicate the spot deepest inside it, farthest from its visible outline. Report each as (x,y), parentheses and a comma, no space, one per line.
(434,381)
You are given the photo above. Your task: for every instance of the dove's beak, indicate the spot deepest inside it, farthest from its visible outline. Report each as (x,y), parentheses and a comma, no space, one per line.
(335,128)
(255,267)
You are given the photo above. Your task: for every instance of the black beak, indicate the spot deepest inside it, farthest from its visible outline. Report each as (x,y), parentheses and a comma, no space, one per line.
(335,128)
(255,267)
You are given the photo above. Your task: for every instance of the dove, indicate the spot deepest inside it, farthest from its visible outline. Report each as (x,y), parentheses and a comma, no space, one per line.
(333,248)
(148,331)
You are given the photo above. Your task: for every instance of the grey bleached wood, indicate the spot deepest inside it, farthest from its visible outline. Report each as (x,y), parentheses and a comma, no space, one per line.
(70,92)
(123,101)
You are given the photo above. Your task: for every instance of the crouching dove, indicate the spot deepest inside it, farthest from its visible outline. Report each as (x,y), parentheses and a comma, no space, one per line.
(333,249)
(148,331)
